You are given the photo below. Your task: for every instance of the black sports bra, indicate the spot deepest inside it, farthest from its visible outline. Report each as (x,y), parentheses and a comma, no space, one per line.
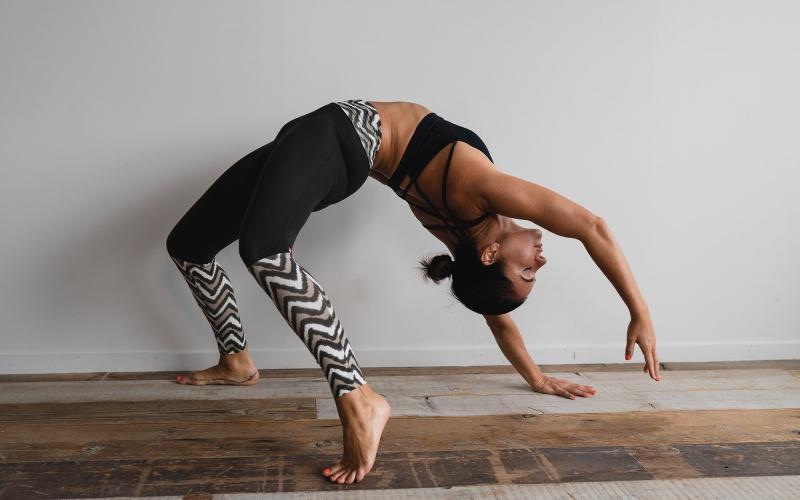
(432,134)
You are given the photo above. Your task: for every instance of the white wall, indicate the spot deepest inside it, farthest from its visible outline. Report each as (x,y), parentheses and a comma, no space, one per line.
(677,121)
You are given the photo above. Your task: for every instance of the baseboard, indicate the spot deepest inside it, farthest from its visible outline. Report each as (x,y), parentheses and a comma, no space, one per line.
(71,362)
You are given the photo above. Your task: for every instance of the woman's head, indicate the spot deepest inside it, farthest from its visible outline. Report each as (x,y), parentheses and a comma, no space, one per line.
(494,279)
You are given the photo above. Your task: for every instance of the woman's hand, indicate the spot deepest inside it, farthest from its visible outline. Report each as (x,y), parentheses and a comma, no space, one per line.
(640,331)
(561,387)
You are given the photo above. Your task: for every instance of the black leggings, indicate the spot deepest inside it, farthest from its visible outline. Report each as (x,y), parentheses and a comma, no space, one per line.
(263,200)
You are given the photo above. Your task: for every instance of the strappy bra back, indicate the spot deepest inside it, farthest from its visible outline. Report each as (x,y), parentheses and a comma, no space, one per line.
(431,135)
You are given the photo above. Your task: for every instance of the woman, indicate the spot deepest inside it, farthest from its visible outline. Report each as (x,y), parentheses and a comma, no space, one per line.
(445,173)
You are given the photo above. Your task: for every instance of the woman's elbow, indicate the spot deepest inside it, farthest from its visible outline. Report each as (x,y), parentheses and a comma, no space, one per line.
(595,225)
(591,225)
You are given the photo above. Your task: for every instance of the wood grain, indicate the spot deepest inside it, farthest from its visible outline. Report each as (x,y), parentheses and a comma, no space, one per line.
(467,430)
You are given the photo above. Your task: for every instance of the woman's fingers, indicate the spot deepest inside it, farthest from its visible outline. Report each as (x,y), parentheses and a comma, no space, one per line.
(569,390)
(651,365)
(648,361)
(580,390)
(652,369)
(584,388)
(656,364)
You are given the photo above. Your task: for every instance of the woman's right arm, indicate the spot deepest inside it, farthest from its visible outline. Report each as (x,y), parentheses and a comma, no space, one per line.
(512,345)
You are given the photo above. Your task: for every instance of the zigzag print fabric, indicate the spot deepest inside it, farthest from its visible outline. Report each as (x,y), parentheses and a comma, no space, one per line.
(306,308)
(213,292)
(367,122)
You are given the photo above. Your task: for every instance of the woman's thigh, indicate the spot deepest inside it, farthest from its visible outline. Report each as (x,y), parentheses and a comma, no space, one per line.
(214,220)
(305,172)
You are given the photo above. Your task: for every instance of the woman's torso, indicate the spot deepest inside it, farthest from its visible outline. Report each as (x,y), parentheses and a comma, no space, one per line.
(399,120)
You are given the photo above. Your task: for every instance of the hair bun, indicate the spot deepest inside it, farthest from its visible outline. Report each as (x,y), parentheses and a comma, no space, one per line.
(438,268)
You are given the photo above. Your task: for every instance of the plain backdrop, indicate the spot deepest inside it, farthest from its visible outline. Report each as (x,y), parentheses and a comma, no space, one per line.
(676,121)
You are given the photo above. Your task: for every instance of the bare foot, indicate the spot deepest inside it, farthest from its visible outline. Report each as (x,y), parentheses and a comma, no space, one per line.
(232,369)
(364,414)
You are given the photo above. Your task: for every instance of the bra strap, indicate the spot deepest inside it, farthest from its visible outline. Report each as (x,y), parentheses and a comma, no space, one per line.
(444,178)
(444,192)
(449,227)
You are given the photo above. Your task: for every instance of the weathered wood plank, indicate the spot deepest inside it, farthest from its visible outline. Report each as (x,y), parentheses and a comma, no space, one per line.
(270,373)
(393,470)
(740,459)
(451,406)
(459,395)
(616,391)
(251,435)
(729,488)
(114,438)
(785,364)
(663,461)
(159,411)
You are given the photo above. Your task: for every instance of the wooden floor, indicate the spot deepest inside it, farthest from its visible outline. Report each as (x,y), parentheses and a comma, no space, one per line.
(710,430)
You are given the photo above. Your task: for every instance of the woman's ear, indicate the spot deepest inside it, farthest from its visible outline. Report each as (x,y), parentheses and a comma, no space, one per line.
(490,254)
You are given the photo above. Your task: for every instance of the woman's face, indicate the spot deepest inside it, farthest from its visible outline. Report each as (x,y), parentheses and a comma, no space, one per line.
(521,252)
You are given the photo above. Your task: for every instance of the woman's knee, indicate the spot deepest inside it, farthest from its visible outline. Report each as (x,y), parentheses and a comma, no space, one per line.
(176,246)
(273,227)
(183,245)
(254,246)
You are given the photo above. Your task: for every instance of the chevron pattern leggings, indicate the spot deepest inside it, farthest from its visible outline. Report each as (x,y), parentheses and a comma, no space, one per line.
(263,201)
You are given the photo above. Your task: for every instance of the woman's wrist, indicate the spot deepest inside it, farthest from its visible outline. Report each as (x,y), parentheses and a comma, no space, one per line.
(537,379)
(640,312)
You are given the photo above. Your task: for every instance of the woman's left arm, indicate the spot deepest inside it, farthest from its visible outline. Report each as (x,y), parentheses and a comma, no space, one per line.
(505,194)
(607,254)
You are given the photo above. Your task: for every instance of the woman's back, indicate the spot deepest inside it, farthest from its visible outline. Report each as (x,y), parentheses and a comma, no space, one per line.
(399,121)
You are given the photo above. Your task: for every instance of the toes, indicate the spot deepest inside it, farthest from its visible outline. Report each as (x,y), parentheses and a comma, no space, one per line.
(330,471)
(339,473)
(342,473)
(190,380)
(342,476)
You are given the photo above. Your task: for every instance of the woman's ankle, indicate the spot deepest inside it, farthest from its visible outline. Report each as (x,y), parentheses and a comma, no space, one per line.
(358,399)
(236,360)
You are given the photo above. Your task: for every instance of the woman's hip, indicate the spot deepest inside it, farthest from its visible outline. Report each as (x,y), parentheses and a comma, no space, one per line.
(329,127)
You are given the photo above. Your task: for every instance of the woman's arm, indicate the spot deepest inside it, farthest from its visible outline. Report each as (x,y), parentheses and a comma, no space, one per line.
(512,345)
(517,198)
(505,194)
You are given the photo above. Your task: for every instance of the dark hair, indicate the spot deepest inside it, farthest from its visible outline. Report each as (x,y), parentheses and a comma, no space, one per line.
(481,288)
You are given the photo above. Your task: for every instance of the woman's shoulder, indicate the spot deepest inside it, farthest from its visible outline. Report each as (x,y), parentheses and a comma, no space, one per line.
(402,107)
